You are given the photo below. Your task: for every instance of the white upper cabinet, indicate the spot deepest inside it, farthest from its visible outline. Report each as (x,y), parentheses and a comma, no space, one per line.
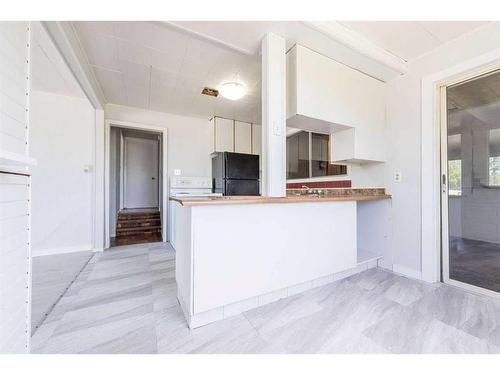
(242,137)
(223,134)
(235,136)
(256,139)
(328,97)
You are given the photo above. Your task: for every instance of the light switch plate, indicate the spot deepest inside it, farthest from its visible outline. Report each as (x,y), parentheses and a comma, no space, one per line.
(276,128)
(398,177)
(177,172)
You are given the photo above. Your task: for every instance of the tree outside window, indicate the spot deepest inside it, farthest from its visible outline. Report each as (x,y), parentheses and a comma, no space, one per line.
(455,177)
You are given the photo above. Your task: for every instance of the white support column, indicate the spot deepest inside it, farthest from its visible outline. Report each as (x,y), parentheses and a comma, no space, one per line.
(273,116)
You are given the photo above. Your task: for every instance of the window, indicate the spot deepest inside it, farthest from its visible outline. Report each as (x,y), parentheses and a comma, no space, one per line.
(455,177)
(307,155)
(494,169)
(494,159)
(455,164)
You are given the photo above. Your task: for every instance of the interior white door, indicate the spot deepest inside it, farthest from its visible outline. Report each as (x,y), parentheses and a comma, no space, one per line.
(141,172)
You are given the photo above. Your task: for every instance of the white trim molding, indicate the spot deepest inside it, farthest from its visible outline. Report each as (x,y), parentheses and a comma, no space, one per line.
(431,157)
(66,39)
(62,250)
(405,271)
(358,43)
(164,173)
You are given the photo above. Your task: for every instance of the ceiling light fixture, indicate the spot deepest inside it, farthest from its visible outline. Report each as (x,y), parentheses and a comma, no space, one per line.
(233,90)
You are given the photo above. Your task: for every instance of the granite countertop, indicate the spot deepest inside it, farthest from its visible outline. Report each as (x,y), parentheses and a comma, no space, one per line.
(294,196)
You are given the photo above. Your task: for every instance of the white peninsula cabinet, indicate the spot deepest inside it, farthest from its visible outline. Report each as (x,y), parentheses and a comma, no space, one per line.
(329,97)
(223,268)
(235,136)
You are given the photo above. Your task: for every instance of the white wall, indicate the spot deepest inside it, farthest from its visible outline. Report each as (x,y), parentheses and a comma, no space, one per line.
(188,147)
(62,140)
(15,266)
(404,124)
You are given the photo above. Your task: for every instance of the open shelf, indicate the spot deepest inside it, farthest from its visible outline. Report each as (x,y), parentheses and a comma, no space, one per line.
(374,231)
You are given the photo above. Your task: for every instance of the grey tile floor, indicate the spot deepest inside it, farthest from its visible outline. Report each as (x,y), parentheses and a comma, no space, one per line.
(124,301)
(475,262)
(51,276)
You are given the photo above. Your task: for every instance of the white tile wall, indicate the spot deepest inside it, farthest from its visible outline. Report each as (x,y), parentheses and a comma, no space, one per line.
(14,189)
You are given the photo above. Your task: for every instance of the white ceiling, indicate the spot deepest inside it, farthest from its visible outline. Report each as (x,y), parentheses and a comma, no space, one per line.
(163,66)
(157,67)
(410,40)
(49,71)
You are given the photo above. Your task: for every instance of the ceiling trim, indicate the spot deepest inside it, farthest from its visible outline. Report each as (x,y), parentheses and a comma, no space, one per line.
(358,43)
(208,38)
(68,44)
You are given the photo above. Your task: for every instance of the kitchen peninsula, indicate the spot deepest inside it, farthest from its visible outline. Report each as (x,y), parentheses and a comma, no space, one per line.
(236,253)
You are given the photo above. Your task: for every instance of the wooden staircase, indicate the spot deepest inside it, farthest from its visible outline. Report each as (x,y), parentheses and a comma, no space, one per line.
(133,227)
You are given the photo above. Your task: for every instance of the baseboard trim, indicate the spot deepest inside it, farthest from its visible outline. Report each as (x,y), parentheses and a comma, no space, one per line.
(234,308)
(62,250)
(405,271)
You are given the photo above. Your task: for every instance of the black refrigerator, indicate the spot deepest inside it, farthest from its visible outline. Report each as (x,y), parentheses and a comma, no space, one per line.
(235,174)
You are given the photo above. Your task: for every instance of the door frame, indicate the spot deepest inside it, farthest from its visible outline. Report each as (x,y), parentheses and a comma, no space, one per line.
(123,171)
(163,191)
(431,187)
(445,244)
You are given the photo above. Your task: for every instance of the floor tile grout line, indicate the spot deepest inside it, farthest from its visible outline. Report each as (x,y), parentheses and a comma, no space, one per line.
(61,296)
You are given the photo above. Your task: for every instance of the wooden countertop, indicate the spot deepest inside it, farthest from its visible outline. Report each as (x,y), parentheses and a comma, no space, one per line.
(266,200)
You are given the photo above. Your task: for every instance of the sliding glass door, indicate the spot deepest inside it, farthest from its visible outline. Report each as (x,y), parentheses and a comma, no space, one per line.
(471,183)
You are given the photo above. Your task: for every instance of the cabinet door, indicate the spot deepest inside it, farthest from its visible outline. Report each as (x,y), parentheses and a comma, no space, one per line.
(224,134)
(256,139)
(242,137)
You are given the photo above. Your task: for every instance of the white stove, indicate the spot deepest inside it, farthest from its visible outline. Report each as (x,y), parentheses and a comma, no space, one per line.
(193,187)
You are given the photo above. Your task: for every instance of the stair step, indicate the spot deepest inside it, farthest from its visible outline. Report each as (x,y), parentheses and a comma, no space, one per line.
(138,217)
(155,228)
(138,223)
(142,233)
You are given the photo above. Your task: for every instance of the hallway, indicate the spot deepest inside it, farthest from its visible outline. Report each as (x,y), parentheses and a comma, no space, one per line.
(124,301)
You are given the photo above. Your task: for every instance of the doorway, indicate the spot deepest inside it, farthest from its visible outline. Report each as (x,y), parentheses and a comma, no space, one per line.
(140,170)
(135,189)
(470,194)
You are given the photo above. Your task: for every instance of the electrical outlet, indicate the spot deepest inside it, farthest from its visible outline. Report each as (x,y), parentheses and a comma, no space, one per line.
(398,177)
(177,172)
